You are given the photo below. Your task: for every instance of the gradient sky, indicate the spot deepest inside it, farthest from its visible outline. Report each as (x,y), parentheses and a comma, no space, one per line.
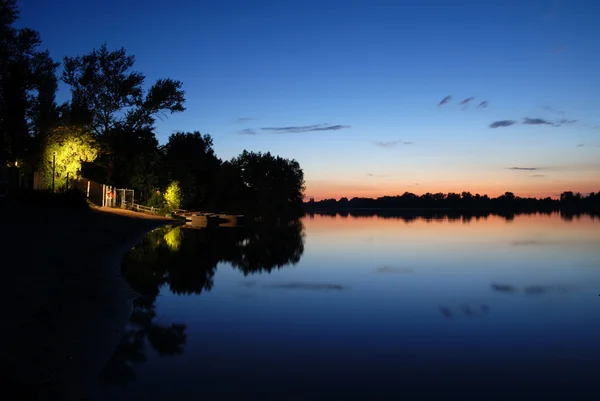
(351,89)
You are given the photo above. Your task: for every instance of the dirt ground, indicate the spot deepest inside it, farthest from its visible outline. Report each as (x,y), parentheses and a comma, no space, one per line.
(64,302)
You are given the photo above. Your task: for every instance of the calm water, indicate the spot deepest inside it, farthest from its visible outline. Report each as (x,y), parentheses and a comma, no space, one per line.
(364,308)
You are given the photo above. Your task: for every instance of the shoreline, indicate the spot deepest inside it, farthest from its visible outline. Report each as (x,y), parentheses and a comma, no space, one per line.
(68,303)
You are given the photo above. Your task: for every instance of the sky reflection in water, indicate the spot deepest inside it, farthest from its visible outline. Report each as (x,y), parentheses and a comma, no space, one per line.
(342,307)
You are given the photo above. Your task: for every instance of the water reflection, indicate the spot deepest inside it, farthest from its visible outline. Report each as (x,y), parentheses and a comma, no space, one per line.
(185,260)
(377,303)
(447,215)
(142,329)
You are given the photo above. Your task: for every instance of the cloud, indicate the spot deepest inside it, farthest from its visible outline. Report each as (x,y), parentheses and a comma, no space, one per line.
(503,287)
(564,121)
(596,127)
(541,121)
(552,110)
(247,131)
(588,145)
(484,104)
(502,123)
(535,121)
(307,286)
(244,119)
(304,128)
(467,100)
(525,168)
(445,100)
(538,175)
(391,144)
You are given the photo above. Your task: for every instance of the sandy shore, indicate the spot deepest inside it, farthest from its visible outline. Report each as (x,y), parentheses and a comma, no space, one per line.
(65,303)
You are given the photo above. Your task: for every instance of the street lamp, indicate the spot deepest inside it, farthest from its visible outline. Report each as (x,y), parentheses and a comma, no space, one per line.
(53,169)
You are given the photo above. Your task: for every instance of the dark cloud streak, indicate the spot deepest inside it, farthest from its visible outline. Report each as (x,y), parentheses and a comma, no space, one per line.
(390,144)
(304,128)
(525,168)
(502,123)
(244,119)
(445,100)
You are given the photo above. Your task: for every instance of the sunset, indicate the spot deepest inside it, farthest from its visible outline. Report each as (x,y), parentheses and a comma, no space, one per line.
(354,91)
(284,200)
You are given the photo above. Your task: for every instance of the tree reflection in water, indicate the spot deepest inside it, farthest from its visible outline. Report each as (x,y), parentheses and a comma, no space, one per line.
(186,260)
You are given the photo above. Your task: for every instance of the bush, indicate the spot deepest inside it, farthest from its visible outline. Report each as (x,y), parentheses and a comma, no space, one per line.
(173,196)
(157,201)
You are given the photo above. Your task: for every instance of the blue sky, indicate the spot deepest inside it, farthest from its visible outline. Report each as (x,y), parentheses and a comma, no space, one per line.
(359,83)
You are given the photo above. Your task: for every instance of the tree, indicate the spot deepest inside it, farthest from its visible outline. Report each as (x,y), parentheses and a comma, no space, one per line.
(272,185)
(104,84)
(66,148)
(190,159)
(27,88)
(108,95)
(173,196)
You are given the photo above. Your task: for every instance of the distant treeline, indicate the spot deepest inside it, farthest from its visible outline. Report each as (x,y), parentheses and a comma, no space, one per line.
(428,215)
(466,201)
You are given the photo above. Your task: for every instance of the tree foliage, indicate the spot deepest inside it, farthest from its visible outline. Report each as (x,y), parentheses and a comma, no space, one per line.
(173,196)
(72,146)
(270,184)
(27,87)
(190,159)
(107,89)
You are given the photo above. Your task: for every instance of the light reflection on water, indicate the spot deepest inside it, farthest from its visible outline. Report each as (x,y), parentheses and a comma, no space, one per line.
(341,307)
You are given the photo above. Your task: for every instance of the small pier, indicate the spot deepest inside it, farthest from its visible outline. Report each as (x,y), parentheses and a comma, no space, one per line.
(201,220)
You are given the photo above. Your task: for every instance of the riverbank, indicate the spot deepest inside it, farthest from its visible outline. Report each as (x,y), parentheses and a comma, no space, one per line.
(65,303)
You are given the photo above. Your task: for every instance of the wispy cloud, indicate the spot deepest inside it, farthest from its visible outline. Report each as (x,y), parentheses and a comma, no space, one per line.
(552,110)
(391,144)
(541,121)
(467,100)
(531,121)
(564,121)
(484,104)
(525,168)
(502,123)
(596,127)
(536,121)
(465,103)
(247,131)
(304,128)
(588,145)
(538,175)
(244,119)
(445,100)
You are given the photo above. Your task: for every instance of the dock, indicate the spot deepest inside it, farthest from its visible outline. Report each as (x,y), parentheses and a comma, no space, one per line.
(201,220)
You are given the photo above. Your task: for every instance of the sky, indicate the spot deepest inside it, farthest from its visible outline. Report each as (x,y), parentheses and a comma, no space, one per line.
(372,98)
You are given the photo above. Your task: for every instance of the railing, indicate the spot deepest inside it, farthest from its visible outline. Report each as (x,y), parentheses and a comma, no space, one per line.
(145,209)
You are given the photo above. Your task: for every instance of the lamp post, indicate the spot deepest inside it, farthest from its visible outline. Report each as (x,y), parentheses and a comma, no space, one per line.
(53,169)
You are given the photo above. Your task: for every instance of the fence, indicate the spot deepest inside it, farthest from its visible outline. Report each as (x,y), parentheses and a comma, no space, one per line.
(144,209)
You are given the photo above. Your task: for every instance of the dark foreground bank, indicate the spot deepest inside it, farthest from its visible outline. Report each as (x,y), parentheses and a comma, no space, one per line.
(64,301)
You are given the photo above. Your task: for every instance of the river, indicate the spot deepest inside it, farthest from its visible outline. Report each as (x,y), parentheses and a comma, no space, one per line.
(368,307)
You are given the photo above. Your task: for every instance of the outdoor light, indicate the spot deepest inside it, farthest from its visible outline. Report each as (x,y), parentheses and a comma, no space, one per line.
(53,169)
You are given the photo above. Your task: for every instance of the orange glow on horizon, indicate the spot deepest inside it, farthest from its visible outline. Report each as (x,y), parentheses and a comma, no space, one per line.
(320,190)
